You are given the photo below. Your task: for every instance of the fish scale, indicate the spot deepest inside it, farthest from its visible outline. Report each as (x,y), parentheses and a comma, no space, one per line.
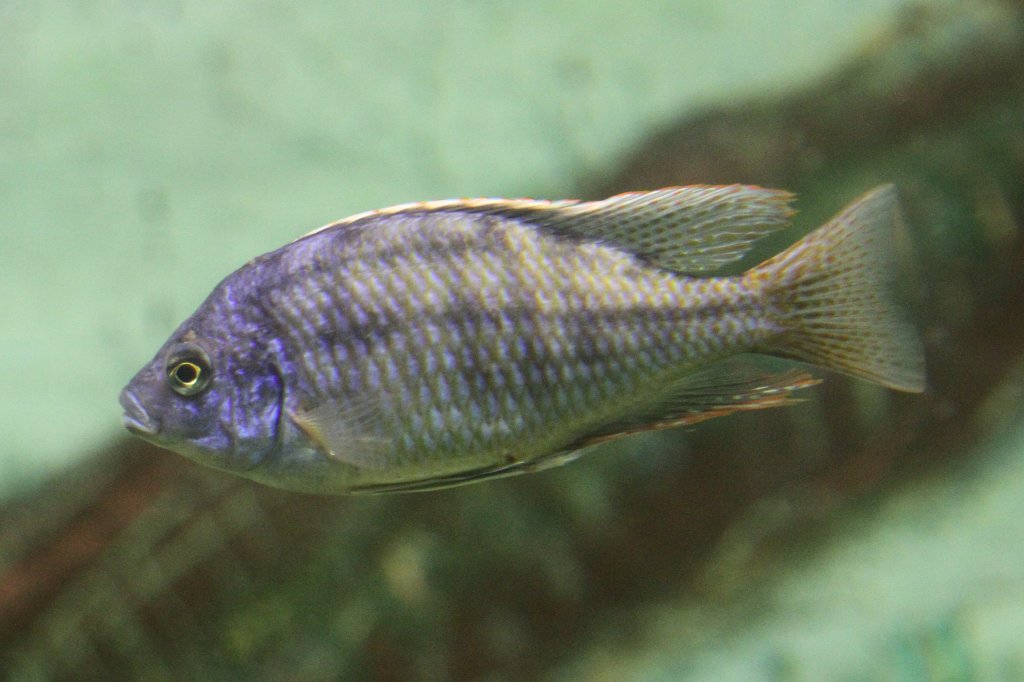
(439,343)
(550,399)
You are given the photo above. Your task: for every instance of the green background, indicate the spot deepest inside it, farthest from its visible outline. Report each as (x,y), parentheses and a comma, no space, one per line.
(149,148)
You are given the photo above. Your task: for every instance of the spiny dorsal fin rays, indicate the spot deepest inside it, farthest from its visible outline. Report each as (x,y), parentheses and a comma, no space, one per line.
(693,229)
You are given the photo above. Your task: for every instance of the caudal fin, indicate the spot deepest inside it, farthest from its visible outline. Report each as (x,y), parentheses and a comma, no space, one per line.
(833,291)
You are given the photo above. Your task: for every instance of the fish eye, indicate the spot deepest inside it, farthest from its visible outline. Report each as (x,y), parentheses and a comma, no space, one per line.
(188,370)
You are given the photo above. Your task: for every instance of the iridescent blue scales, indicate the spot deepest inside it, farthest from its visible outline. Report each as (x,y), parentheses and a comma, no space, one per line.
(434,344)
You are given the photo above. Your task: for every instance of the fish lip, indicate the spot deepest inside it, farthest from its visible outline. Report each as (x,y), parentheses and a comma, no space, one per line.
(135,417)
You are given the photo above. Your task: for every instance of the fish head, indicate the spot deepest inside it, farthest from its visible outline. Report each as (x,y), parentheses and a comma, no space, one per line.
(214,402)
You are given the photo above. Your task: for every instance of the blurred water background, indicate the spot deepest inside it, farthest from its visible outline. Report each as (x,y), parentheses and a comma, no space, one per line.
(147,149)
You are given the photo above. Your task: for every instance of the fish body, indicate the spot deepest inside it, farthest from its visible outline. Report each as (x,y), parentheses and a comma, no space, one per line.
(435,344)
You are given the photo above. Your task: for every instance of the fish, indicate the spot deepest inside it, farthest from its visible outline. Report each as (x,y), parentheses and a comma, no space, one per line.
(439,343)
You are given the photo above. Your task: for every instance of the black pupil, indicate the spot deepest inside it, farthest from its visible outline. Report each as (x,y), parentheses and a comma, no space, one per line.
(186,373)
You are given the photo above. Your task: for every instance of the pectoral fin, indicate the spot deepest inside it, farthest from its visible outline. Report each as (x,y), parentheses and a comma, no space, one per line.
(351,432)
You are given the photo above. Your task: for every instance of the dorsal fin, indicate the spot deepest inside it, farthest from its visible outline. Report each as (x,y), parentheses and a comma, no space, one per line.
(693,229)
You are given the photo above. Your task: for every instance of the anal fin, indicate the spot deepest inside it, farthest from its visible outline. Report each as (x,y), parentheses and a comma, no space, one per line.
(724,388)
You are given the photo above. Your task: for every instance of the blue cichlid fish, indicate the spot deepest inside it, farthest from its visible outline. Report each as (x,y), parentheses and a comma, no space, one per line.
(433,344)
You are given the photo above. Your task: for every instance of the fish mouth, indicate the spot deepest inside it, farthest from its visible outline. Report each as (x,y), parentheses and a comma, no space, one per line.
(135,417)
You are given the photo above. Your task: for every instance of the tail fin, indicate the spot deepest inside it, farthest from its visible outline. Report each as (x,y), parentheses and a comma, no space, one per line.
(833,290)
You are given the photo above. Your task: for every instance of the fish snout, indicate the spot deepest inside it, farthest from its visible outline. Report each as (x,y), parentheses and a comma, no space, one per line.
(135,418)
